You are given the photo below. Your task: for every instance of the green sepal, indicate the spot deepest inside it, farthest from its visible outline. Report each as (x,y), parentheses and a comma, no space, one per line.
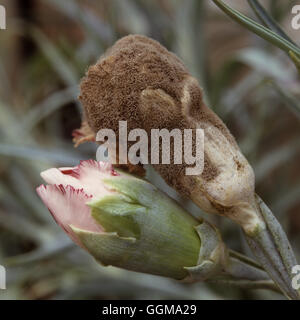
(213,254)
(147,195)
(116,213)
(138,190)
(107,248)
(132,254)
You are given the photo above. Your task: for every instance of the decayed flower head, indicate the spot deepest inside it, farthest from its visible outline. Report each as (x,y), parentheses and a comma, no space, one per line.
(140,81)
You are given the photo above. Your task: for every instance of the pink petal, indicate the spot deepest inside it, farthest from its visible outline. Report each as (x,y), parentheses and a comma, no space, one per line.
(103,168)
(56,176)
(68,207)
(87,175)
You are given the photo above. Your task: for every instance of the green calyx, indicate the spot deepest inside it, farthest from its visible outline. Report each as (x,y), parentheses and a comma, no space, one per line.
(145,230)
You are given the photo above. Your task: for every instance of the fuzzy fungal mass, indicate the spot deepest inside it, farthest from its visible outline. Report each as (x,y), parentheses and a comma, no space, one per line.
(139,81)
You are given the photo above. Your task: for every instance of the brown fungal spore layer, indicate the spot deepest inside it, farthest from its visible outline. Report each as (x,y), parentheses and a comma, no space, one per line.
(140,81)
(112,88)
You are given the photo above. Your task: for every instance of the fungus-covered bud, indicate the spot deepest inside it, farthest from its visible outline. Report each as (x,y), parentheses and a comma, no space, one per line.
(140,81)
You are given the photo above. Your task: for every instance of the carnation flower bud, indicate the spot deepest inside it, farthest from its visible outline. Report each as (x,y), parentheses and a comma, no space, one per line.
(126,222)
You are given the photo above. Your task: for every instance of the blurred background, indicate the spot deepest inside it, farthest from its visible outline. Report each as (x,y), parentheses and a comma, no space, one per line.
(46,49)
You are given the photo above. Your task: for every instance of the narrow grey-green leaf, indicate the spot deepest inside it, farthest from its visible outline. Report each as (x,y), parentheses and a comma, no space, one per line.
(258,29)
(268,20)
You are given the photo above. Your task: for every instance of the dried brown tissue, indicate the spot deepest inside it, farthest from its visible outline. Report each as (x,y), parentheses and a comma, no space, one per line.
(140,81)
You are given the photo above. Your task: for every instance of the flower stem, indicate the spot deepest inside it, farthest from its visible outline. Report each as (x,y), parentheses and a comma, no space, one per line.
(273,250)
(239,269)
